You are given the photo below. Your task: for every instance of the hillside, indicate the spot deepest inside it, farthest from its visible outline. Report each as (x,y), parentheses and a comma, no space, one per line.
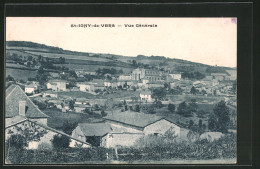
(73,58)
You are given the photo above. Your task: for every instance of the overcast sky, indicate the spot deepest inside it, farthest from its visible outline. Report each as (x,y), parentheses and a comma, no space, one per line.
(210,41)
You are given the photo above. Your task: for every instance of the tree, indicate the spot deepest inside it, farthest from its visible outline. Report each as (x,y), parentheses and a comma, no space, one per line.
(71,104)
(103,113)
(120,71)
(60,142)
(193,106)
(212,122)
(193,90)
(201,113)
(171,108)
(159,93)
(124,102)
(41,78)
(62,60)
(158,104)
(137,108)
(16,141)
(73,74)
(134,63)
(184,109)
(125,85)
(200,124)
(40,70)
(88,111)
(68,127)
(220,119)
(167,86)
(9,78)
(151,110)
(203,92)
(191,123)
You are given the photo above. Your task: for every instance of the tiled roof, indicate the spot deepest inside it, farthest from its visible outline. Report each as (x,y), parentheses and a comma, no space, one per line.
(95,129)
(133,118)
(13,96)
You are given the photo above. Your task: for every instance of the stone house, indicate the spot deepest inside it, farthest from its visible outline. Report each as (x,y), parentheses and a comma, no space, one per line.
(56,85)
(146,96)
(42,133)
(29,89)
(19,104)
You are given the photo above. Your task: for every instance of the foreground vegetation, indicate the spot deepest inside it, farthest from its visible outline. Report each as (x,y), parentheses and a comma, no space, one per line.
(157,150)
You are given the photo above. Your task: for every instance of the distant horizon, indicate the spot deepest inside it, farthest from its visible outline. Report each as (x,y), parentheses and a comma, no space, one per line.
(209,41)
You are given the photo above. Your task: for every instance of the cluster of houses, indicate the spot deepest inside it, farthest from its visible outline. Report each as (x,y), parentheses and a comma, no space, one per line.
(142,80)
(118,129)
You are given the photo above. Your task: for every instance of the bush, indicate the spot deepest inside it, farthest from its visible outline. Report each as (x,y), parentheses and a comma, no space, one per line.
(171,108)
(103,113)
(148,148)
(60,142)
(16,141)
(44,146)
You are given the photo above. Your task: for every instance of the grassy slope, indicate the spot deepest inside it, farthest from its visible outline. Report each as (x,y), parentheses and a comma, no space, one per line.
(19,74)
(57,118)
(91,62)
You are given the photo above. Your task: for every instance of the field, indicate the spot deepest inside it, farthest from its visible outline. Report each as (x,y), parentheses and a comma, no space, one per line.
(12,65)
(93,68)
(26,48)
(66,56)
(57,118)
(19,53)
(19,74)
(119,94)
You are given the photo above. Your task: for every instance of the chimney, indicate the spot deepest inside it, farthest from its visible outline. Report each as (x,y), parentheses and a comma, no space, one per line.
(22,108)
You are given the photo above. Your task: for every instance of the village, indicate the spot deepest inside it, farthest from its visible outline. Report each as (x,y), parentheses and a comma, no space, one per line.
(121,107)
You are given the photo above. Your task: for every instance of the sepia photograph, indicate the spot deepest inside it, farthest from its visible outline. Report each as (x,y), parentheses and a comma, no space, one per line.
(120,90)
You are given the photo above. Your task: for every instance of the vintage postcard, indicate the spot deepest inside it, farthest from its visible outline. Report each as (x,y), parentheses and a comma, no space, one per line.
(103,90)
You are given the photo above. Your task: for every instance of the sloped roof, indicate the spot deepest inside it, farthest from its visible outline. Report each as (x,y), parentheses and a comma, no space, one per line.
(48,128)
(133,118)
(95,129)
(14,120)
(14,94)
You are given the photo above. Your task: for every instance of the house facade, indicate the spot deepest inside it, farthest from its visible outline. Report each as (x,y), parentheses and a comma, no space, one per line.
(146,96)
(29,89)
(56,85)
(45,134)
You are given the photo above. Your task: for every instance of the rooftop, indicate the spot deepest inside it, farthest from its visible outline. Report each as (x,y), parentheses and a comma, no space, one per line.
(95,129)
(14,94)
(133,118)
